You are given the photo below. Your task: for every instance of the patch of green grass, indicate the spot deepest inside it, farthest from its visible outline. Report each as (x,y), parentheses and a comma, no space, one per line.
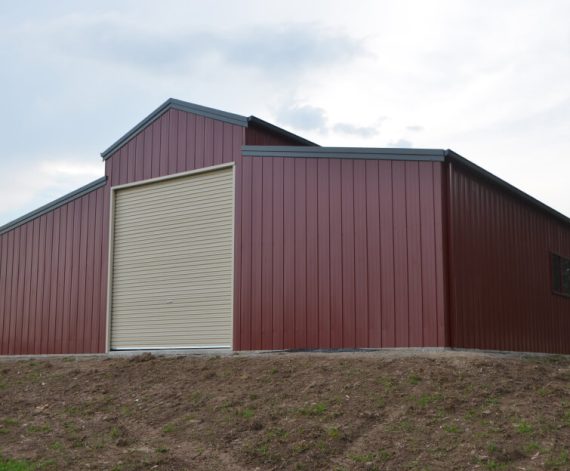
(384,455)
(276,433)
(451,428)
(168,428)
(300,447)
(365,458)
(15,465)
(386,383)
(532,447)
(56,446)
(46,464)
(9,422)
(115,433)
(492,448)
(414,379)
(162,449)
(566,418)
(262,450)
(495,465)
(247,413)
(403,425)
(314,409)
(334,432)
(524,427)
(558,461)
(471,414)
(39,428)
(426,399)
(72,410)
(491,401)
(379,401)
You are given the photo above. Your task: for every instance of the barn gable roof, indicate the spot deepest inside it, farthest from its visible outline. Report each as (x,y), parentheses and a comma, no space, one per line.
(212,113)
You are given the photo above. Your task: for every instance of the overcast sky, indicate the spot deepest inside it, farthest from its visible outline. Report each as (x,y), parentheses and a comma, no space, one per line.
(488,79)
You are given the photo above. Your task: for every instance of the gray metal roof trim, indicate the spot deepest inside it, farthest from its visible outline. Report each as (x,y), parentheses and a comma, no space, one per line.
(456,158)
(276,129)
(436,155)
(173,103)
(100,182)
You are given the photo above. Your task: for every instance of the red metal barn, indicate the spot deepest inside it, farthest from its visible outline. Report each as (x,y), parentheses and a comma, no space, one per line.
(210,229)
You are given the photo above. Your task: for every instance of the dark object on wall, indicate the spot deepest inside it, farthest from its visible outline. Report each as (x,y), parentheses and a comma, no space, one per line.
(333,247)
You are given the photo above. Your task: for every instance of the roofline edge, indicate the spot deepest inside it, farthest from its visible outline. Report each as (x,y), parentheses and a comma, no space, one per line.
(374,153)
(94,185)
(454,157)
(173,103)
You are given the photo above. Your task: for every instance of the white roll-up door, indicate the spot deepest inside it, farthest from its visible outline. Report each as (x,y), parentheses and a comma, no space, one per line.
(172,264)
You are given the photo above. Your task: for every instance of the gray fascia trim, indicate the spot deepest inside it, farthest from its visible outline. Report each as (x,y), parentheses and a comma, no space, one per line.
(280,131)
(369,153)
(173,103)
(54,204)
(486,175)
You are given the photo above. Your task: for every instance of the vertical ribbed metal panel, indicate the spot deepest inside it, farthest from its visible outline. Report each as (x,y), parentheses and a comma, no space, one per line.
(338,253)
(501,297)
(47,280)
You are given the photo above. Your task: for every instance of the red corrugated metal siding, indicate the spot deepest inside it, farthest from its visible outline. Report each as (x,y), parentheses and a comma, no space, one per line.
(501,295)
(256,136)
(50,289)
(338,254)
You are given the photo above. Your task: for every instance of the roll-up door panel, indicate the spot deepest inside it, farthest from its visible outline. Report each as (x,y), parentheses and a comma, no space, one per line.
(172,264)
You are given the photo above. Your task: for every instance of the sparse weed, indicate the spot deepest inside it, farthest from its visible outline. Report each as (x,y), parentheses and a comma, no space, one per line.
(451,428)
(559,460)
(523,427)
(115,433)
(334,432)
(414,379)
(314,409)
(15,465)
(39,428)
(365,458)
(56,446)
(168,428)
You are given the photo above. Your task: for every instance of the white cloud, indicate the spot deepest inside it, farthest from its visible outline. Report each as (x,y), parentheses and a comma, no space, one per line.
(487,79)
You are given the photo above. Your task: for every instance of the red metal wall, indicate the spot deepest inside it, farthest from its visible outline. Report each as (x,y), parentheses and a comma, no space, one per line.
(52,280)
(256,136)
(338,254)
(500,289)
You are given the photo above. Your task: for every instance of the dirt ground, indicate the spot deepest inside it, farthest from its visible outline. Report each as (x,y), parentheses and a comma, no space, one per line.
(445,410)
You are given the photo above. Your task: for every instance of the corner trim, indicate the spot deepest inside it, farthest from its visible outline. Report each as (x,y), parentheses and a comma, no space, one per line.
(54,204)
